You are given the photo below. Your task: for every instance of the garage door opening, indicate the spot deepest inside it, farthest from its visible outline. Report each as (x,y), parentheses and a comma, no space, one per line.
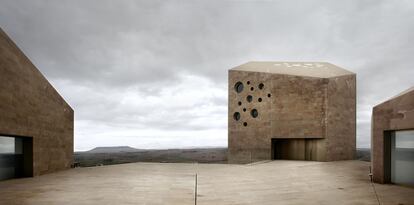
(294,149)
(16,157)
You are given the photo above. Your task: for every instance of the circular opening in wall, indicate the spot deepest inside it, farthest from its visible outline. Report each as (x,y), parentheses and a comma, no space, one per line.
(248,82)
(261,86)
(260,99)
(244,109)
(245,124)
(238,87)
(249,98)
(236,116)
(269,95)
(254,113)
(252,88)
(239,103)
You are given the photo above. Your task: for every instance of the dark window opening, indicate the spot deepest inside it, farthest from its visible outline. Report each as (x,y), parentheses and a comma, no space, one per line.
(249,98)
(254,113)
(239,103)
(238,87)
(260,99)
(245,124)
(236,116)
(261,86)
(16,157)
(269,95)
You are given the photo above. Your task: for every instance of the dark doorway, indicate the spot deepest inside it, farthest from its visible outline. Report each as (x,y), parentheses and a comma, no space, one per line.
(294,149)
(16,157)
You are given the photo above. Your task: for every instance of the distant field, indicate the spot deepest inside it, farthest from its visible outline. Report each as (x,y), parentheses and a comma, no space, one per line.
(100,156)
(119,155)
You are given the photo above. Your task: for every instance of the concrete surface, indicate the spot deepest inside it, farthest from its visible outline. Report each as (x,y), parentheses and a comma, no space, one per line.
(312,106)
(31,108)
(268,182)
(394,114)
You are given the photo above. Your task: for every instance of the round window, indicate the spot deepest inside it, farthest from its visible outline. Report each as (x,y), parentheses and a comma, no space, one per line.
(261,86)
(269,95)
(238,87)
(239,103)
(252,88)
(245,124)
(260,99)
(249,98)
(236,116)
(254,113)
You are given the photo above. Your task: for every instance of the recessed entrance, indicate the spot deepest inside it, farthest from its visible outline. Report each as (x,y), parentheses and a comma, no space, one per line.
(401,160)
(294,149)
(16,157)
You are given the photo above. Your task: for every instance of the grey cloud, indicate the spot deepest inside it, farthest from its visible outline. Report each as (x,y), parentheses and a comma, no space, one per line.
(95,52)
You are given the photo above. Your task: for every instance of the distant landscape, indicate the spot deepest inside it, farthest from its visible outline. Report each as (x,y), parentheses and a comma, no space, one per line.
(124,154)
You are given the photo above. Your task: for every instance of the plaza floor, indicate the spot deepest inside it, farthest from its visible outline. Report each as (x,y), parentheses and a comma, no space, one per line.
(268,182)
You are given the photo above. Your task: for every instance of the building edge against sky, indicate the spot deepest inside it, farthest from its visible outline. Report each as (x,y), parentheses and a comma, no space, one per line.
(34,114)
(392,140)
(291,110)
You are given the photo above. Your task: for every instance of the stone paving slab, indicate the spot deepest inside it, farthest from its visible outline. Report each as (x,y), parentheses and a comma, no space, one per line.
(275,182)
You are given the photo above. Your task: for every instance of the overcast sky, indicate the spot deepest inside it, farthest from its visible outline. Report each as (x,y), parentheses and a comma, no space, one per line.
(153,74)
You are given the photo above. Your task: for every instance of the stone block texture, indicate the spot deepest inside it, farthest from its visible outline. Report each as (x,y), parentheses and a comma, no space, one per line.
(31,107)
(394,114)
(308,108)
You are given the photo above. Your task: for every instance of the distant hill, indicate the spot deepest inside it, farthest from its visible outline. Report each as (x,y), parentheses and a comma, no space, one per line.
(119,155)
(117,149)
(363,154)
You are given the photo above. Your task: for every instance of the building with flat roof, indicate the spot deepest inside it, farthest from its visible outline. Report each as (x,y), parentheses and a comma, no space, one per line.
(392,140)
(291,110)
(36,124)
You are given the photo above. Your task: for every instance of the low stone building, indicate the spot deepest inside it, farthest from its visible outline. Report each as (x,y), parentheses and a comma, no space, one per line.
(392,140)
(291,110)
(36,124)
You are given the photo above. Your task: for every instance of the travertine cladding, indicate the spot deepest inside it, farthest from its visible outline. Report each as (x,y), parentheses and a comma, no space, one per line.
(320,107)
(31,107)
(392,115)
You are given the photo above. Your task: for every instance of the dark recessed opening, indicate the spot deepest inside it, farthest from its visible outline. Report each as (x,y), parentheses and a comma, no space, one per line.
(254,113)
(248,82)
(244,109)
(239,103)
(249,98)
(252,88)
(236,116)
(261,86)
(238,87)
(260,99)
(269,95)
(245,124)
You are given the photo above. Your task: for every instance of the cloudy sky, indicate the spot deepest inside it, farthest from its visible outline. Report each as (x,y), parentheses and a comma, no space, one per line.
(153,74)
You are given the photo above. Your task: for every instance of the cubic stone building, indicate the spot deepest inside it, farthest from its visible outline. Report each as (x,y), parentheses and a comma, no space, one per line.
(291,110)
(36,124)
(392,140)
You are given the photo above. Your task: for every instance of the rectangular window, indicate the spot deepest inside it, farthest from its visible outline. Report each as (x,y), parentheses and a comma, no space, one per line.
(7,157)
(402,157)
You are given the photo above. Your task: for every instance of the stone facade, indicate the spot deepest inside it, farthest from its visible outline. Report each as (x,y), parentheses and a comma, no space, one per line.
(307,110)
(395,114)
(31,108)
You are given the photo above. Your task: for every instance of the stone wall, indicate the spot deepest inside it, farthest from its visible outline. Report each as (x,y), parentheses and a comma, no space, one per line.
(392,115)
(31,107)
(321,110)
